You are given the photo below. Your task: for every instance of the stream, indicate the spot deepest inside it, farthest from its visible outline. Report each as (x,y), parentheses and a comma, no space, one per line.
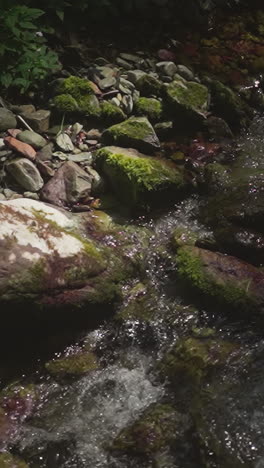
(77,421)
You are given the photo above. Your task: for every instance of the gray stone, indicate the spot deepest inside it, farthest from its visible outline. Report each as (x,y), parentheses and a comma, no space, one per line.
(32,138)
(45,170)
(166,68)
(38,120)
(127,104)
(185,72)
(64,142)
(7,119)
(81,157)
(26,108)
(70,185)
(135,75)
(45,154)
(123,63)
(26,174)
(125,86)
(132,58)
(107,82)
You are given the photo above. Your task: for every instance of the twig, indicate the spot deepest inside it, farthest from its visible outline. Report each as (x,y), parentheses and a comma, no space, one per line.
(25,123)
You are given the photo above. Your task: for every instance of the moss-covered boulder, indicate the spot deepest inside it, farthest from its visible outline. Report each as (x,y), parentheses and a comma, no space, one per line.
(159,427)
(228,105)
(226,280)
(111,114)
(150,108)
(136,132)
(138,179)
(46,263)
(10,461)
(187,100)
(74,94)
(182,236)
(140,304)
(74,365)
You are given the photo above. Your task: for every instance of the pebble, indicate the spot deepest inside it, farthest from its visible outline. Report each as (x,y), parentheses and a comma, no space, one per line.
(166,68)
(185,72)
(64,142)
(107,82)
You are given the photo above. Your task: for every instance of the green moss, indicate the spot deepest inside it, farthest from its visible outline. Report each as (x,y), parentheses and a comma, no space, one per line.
(189,95)
(65,103)
(140,304)
(135,176)
(192,270)
(18,390)
(9,461)
(89,105)
(76,87)
(150,108)
(132,128)
(228,105)
(148,85)
(157,428)
(75,365)
(111,114)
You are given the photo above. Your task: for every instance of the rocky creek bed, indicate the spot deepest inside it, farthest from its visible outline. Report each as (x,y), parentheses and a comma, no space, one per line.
(131,266)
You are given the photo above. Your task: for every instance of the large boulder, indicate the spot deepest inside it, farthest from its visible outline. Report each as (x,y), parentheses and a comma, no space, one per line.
(135,132)
(138,179)
(71,184)
(225,280)
(46,263)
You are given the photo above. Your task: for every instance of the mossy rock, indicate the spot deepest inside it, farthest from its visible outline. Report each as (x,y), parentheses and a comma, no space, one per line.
(138,179)
(224,279)
(111,114)
(75,86)
(150,108)
(136,132)
(65,103)
(193,359)
(149,86)
(10,461)
(73,365)
(159,427)
(187,100)
(228,105)
(89,105)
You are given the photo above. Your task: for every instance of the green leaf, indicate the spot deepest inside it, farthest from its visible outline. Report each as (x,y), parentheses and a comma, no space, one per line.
(60,14)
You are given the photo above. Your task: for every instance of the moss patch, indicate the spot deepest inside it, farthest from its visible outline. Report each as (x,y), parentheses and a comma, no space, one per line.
(65,103)
(9,461)
(75,365)
(76,87)
(150,108)
(148,86)
(111,114)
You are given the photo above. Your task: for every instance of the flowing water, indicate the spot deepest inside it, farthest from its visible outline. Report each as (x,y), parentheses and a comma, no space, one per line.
(78,420)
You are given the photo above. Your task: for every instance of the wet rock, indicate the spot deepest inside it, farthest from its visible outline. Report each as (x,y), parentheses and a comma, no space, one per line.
(217,177)
(228,105)
(223,279)
(182,236)
(125,86)
(7,119)
(217,128)
(32,138)
(45,170)
(23,109)
(71,184)
(98,184)
(107,82)
(127,104)
(85,157)
(159,428)
(74,365)
(187,100)
(25,174)
(135,75)
(39,120)
(22,148)
(138,179)
(135,132)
